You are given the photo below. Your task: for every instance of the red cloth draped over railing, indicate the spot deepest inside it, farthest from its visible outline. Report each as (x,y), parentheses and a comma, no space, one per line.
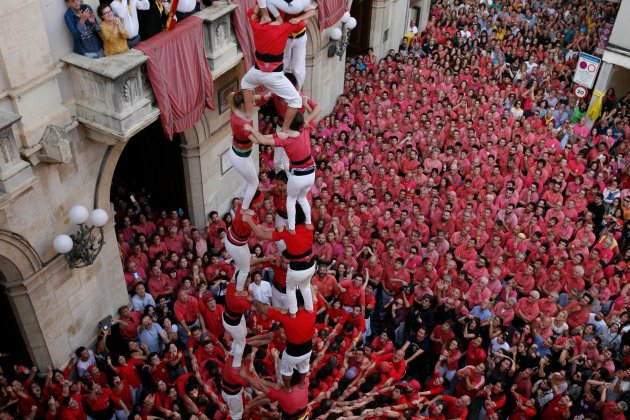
(243,31)
(330,11)
(179,75)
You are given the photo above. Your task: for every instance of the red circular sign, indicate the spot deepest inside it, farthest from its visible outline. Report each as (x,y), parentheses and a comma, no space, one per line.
(580,91)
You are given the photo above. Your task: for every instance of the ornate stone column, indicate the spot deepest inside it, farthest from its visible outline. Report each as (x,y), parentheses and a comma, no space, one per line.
(16,175)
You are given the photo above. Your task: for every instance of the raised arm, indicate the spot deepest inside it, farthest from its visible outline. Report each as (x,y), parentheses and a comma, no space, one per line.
(256,137)
(258,231)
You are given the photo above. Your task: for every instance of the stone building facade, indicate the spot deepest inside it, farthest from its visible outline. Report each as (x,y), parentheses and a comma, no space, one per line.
(64,123)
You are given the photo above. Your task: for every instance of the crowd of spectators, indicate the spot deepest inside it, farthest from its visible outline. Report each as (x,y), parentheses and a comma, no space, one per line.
(471,238)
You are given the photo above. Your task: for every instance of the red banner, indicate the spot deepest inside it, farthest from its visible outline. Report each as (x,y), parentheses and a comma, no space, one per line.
(330,11)
(179,75)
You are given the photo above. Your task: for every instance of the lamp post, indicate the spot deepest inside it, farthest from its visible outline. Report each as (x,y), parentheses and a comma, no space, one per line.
(341,37)
(82,248)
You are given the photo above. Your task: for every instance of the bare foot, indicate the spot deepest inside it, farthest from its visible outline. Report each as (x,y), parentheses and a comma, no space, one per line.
(309,311)
(265,19)
(282,135)
(291,231)
(242,293)
(292,315)
(277,21)
(309,226)
(248,212)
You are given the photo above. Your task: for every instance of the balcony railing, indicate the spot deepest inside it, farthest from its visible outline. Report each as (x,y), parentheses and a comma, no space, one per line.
(113,96)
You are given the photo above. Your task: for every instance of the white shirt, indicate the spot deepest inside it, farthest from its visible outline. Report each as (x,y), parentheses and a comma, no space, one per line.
(139,303)
(261,292)
(186,6)
(82,367)
(127,11)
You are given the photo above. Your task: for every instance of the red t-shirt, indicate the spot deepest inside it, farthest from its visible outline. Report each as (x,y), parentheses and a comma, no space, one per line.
(238,233)
(231,376)
(270,41)
(553,410)
(187,312)
(299,246)
(101,402)
(452,410)
(298,330)
(293,401)
(240,138)
(236,304)
(298,149)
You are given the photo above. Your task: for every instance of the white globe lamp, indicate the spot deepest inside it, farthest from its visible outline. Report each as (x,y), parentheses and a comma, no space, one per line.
(79,215)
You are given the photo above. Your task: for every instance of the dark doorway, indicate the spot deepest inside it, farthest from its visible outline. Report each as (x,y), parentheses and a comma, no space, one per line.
(151,165)
(13,350)
(361,10)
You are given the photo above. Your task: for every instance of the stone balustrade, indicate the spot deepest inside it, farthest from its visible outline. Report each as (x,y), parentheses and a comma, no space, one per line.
(113,96)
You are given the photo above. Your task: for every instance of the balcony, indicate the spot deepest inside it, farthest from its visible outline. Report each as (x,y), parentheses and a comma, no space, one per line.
(113,96)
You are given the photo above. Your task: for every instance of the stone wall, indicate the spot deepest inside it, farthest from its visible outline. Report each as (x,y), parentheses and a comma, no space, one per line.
(67,303)
(388,25)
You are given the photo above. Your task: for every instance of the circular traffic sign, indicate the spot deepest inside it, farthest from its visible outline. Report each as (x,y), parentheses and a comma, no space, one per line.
(580,92)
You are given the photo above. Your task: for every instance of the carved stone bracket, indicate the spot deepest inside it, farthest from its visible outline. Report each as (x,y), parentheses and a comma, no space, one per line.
(15,174)
(219,38)
(113,99)
(55,144)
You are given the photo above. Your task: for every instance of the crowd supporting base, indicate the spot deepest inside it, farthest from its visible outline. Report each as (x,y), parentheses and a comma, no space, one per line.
(451,242)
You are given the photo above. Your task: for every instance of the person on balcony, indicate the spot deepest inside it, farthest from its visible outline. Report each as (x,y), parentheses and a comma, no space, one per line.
(127,11)
(84,28)
(113,31)
(152,21)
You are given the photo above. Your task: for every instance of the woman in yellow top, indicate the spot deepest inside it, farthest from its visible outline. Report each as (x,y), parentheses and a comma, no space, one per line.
(112,32)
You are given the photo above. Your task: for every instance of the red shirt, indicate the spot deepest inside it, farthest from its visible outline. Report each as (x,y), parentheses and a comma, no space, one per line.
(213,319)
(270,41)
(553,411)
(236,304)
(130,331)
(298,149)
(187,312)
(609,414)
(293,401)
(129,373)
(452,410)
(101,402)
(240,138)
(299,246)
(353,295)
(298,330)
(238,233)
(232,377)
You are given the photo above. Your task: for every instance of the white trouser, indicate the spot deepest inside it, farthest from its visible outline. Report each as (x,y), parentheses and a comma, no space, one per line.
(280,159)
(294,8)
(242,258)
(295,58)
(275,82)
(234,403)
(288,363)
(300,280)
(245,167)
(281,222)
(279,300)
(297,189)
(239,335)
